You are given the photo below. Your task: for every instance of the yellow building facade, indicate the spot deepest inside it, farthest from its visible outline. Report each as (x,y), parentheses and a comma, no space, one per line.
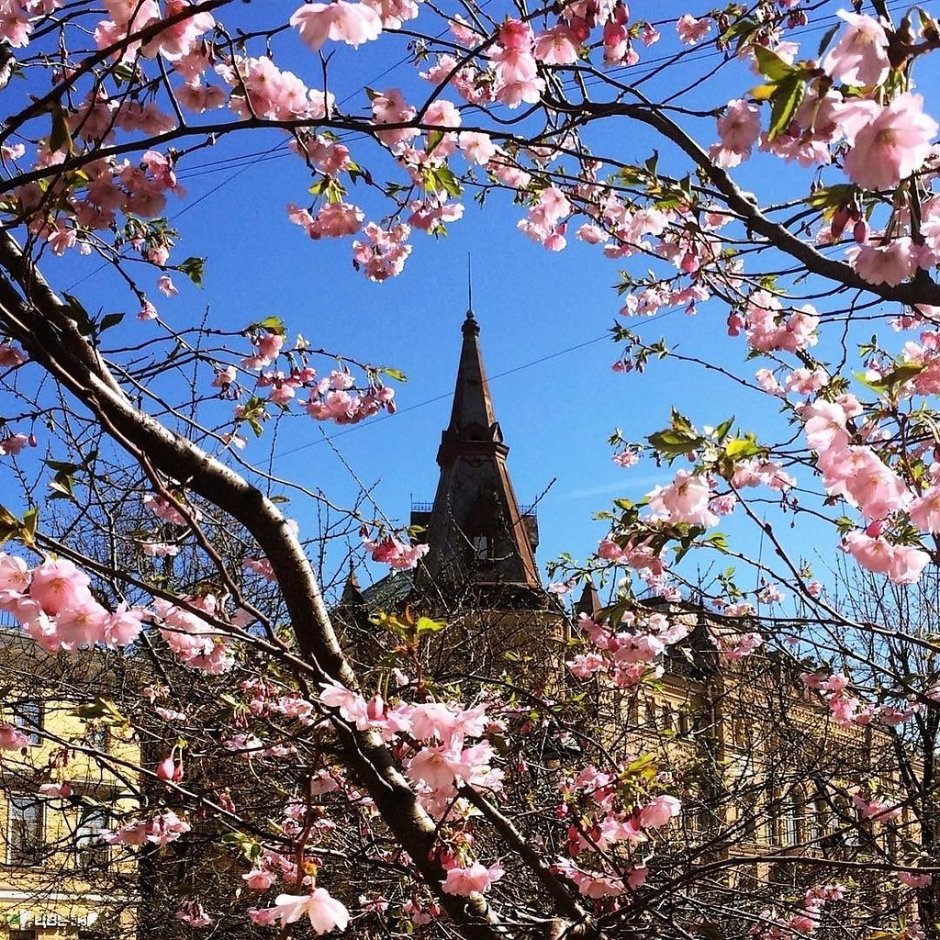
(59,880)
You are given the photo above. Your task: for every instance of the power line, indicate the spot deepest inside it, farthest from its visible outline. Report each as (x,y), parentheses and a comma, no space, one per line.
(499,375)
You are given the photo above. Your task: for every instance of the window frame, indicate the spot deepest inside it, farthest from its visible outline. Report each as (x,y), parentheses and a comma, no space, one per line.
(19,854)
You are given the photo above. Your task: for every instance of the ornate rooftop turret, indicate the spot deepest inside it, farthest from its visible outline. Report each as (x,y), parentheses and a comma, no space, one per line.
(589,602)
(477,532)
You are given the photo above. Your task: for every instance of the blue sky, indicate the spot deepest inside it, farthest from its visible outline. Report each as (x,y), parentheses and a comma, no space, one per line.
(543,317)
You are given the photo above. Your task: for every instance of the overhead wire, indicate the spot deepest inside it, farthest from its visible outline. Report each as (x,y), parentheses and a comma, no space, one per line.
(444,395)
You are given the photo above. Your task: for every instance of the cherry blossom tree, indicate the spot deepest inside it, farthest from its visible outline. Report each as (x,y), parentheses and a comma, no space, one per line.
(499,805)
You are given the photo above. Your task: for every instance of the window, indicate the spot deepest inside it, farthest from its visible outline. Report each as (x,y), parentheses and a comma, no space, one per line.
(98,737)
(24,830)
(28,716)
(482,547)
(665,718)
(90,850)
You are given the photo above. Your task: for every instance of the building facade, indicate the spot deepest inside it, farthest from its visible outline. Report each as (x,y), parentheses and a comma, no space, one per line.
(59,789)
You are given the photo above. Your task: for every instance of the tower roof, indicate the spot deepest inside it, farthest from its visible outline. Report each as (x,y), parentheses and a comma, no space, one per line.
(590,601)
(476,530)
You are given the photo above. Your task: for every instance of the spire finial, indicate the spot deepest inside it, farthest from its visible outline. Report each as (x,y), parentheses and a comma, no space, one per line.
(469,286)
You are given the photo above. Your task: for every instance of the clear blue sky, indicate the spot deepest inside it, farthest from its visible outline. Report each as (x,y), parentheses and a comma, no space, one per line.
(543,317)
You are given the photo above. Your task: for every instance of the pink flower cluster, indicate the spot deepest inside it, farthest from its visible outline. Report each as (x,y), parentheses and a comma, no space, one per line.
(629,655)
(266,91)
(441,759)
(849,710)
(54,604)
(475,879)
(173,42)
(805,921)
(602,821)
(770,329)
(394,552)
(685,501)
(11,738)
(11,356)
(517,79)
(346,406)
(385,253)
(733,646)
(13,444)
(334,220)
(159,829)
(197,643)
(544,222)
(320,908)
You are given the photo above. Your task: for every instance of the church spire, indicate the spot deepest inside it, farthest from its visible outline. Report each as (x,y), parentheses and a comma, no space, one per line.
(477,533)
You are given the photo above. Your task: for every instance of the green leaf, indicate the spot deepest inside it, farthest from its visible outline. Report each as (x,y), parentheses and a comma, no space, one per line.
(721,432)
(9,525)
(193,268)
(109,320)
(831,197)
(62,487)
(771,66)
(675,442)
(718,541)
(61,136)
(741,448)
(30,524)
(395,374)
(826,39)
(434,138)
(427,625)
(789,95)
(271,324)
(76,312)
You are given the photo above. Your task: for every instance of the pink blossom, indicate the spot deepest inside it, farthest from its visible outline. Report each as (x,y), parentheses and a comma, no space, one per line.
(352,23)
(477,147)
(738,128)
(59,586)
(392,551)
(324,912)
(10,356)
(11,738)
(861,55)
(351,705)
(14,443)
(193,914)
(925,511)
(659,811)
(557,46)
(685,500)
(903,564)
(692,30)
(14,574)
(476,878)
(259,880)
(889,263)
(888,144)
(336,219)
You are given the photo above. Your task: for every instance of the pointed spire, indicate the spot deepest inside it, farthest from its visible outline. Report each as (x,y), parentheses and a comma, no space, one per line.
(472,420)
(476,530)
(352,593)
(589,602)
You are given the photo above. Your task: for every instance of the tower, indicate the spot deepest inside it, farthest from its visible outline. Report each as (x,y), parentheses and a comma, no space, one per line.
(481,540)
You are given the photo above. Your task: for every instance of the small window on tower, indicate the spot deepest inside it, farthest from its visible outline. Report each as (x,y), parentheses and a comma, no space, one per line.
(481,547)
